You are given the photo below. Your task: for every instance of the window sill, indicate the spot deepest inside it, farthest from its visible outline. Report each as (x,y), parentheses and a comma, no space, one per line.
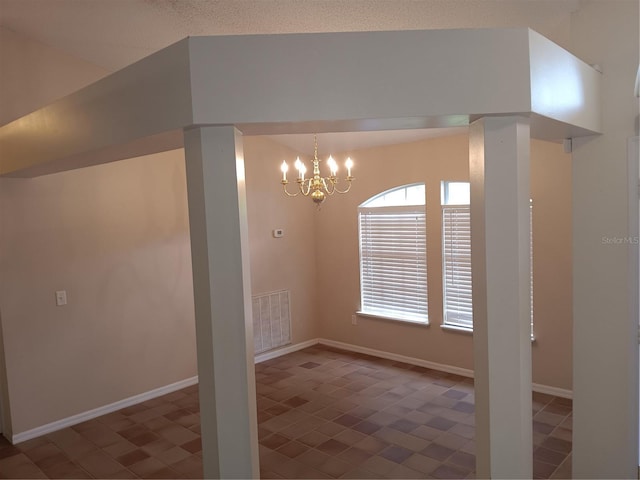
(456,328)
(468,331)
(377,316)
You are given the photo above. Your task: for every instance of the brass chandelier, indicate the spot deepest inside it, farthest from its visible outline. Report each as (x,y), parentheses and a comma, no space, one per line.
(316,187)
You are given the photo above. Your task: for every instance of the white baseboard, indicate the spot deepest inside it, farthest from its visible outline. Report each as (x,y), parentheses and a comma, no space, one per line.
(97,412)
(555,391)
(261,357)
(398,358)
(143,397)
(536,387)
(127,402)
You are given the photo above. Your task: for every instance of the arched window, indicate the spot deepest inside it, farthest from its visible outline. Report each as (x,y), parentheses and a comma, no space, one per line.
(393,254)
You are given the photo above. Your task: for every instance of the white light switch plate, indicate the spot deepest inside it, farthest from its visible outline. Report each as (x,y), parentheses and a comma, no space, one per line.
(61,297)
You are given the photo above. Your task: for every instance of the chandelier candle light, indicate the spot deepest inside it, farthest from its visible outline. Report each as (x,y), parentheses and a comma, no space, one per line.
(316,187)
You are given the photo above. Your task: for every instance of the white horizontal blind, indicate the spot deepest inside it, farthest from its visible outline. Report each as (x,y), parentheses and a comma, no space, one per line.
(456,232)
(393,262)
(456,235)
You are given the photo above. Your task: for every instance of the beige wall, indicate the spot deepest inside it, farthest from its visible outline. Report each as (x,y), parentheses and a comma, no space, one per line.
(432,161)
(31,75)
(286,263)
(551,188)
(115,237)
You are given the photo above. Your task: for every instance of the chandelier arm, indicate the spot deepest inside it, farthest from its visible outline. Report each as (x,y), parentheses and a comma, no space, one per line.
(345,190)
(284,188)
(331,188)
(302,184)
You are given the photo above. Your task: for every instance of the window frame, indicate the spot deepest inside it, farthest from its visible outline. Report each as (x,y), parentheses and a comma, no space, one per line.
(464,324)
(457,269)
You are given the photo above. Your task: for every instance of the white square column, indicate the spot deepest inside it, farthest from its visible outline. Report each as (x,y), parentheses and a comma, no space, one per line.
(222,293)
(499,175)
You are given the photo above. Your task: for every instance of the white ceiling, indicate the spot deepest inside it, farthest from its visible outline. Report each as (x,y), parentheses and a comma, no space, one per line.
(115,33)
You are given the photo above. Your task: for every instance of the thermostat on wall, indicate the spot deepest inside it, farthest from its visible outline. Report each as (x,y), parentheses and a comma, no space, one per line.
(278,233)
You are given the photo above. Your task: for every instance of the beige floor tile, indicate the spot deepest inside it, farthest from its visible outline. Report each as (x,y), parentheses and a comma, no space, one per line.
(99,464)
(19,466)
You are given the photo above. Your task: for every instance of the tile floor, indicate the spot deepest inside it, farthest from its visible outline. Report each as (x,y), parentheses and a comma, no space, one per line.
(323,413)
